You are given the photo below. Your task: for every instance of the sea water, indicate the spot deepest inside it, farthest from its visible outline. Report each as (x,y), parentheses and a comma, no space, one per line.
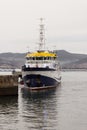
(64,108)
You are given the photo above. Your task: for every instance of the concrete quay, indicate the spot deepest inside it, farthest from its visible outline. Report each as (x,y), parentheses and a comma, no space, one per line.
(9,84)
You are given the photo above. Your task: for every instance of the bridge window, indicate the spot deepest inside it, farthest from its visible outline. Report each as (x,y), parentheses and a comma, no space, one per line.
(39,58)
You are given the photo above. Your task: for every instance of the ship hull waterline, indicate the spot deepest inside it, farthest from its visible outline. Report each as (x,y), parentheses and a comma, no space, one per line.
(40,82)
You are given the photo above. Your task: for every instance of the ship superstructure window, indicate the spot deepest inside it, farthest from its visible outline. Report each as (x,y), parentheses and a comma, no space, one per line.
(27,58)
(39,58)
(33,58)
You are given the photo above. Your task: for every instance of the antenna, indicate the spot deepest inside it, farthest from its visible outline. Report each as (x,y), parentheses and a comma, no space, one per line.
(41,35)
(27,49)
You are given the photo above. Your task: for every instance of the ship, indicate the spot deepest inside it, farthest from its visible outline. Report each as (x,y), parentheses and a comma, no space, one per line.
(41,69)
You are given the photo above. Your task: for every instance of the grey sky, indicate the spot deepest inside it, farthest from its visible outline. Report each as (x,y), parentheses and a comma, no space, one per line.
(65,23)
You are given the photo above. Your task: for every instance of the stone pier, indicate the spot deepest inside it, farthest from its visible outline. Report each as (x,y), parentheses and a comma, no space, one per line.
(9,84)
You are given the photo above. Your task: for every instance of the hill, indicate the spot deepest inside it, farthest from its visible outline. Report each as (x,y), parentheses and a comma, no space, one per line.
(66,59)
(81,64)
(72,60)
(12,60)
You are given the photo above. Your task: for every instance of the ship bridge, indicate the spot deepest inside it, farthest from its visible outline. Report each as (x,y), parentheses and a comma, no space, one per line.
(41,59)
(41,54)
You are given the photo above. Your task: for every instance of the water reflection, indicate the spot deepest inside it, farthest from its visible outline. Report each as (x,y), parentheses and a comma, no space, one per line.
(64,108)
(38,94)
(8,112)
(38,110)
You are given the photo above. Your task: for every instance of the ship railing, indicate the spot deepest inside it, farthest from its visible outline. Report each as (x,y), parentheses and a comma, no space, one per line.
(42,65)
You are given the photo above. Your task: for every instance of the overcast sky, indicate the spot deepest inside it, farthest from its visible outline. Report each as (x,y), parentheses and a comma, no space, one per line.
(65,24)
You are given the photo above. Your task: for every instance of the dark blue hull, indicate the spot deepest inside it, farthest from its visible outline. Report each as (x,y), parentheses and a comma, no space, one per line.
(36,69)
(39,81)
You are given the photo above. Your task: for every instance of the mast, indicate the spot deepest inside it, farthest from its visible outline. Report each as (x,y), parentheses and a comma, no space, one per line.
(41,35)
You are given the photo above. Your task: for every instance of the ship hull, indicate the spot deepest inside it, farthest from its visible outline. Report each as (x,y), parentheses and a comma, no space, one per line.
(40,79)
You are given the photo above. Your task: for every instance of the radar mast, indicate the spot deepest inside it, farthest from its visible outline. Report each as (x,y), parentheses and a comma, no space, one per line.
(41,36)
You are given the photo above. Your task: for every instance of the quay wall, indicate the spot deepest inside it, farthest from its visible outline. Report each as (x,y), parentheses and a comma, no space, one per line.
(9,84)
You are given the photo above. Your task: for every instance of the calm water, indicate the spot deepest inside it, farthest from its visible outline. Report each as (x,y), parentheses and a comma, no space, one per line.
(62,109)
